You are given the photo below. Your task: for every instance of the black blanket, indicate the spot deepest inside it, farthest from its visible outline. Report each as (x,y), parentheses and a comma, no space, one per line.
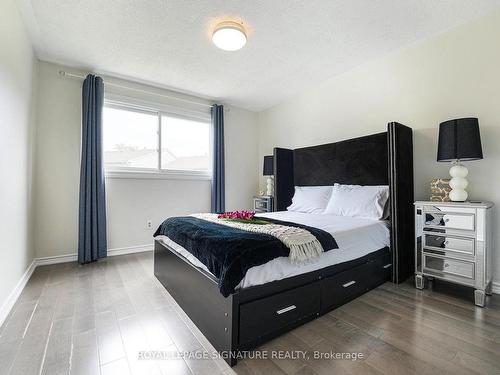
(229,252)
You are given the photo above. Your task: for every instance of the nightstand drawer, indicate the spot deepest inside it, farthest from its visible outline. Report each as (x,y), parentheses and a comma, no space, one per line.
(450,220)
(451,243)
(448,266)
(261,205)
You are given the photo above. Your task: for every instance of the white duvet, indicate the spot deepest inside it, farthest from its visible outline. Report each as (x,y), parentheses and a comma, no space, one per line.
(355,238)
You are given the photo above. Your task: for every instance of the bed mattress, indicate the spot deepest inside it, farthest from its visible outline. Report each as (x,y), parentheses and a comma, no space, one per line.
(355,237)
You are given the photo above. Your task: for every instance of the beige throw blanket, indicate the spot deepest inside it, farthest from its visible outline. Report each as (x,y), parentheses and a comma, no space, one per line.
(302,244)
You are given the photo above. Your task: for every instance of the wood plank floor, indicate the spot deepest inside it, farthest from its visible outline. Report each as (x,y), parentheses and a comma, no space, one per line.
(101,318)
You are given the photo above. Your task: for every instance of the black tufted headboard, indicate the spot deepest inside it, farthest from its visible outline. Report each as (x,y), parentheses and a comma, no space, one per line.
(379,159)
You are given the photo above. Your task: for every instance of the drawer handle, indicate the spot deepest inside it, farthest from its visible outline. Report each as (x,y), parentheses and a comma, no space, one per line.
(446,265)
(446,242)
(286,309)
(388,265)
(446,220)
(349,284)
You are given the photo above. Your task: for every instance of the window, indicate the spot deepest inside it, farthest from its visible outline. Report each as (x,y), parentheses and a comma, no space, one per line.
(185,144)
(141,141)
(130,139)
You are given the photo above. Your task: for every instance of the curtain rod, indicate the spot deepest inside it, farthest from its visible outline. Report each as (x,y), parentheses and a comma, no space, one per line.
(76,76)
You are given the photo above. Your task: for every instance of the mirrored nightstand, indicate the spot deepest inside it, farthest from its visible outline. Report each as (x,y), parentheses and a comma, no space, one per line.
(263,203)
(453,242)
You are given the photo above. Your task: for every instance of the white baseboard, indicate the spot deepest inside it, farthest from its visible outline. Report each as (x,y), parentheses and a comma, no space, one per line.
(44,261)
(130,250)
(16,292)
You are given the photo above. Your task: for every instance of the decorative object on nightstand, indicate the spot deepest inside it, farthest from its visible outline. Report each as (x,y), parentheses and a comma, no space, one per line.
(459,140)
(263,203)
(268,171)
(440,190)
(453,242)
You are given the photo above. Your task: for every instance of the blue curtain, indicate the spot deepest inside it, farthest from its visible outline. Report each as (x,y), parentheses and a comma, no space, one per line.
(92,242)
(218,190)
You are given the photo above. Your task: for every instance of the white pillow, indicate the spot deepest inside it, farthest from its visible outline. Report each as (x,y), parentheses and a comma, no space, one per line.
(358,201)
(310,199)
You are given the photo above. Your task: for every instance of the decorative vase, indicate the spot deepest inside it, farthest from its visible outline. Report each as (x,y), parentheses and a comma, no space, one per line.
(440,190)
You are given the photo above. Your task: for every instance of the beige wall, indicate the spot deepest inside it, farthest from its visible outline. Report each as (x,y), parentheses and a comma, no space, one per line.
(130,202)
(17,87)
(57,163)
(242,143)
(455,74)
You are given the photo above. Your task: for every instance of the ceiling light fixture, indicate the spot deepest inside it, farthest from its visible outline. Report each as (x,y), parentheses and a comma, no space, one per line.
(229,36)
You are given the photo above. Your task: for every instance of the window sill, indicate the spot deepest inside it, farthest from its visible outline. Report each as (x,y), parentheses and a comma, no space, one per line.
(153,175)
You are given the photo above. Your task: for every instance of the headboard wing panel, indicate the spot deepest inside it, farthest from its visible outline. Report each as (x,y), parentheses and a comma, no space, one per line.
(283,178)
(400,140)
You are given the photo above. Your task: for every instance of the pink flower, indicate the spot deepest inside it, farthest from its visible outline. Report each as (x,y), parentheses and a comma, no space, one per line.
(242,215)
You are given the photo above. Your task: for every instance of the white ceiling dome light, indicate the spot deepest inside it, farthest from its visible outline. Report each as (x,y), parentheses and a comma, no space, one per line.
(229,36)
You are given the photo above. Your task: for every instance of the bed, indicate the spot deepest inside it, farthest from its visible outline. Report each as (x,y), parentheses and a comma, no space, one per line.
(356,237)
(277,296)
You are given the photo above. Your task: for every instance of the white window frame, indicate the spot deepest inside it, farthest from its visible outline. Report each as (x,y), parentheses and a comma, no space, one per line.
(158,172)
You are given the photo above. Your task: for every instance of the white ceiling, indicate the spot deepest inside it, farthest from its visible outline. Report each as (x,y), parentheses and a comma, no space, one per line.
(292,45)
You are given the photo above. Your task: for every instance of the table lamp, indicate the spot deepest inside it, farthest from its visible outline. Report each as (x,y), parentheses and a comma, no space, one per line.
(459,141)
(268,171)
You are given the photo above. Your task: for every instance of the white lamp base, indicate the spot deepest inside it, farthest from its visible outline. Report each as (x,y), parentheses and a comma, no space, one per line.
(270,187)
(458,183)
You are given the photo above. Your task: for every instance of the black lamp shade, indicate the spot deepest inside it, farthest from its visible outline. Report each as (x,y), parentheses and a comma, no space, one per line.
(459,140)
(268,169)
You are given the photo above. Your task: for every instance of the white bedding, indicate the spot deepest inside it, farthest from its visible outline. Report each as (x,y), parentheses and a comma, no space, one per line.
(355,237)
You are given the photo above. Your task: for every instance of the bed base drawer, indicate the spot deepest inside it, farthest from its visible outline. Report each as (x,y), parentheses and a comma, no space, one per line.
(381,268)
(264,316)
(347,285)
